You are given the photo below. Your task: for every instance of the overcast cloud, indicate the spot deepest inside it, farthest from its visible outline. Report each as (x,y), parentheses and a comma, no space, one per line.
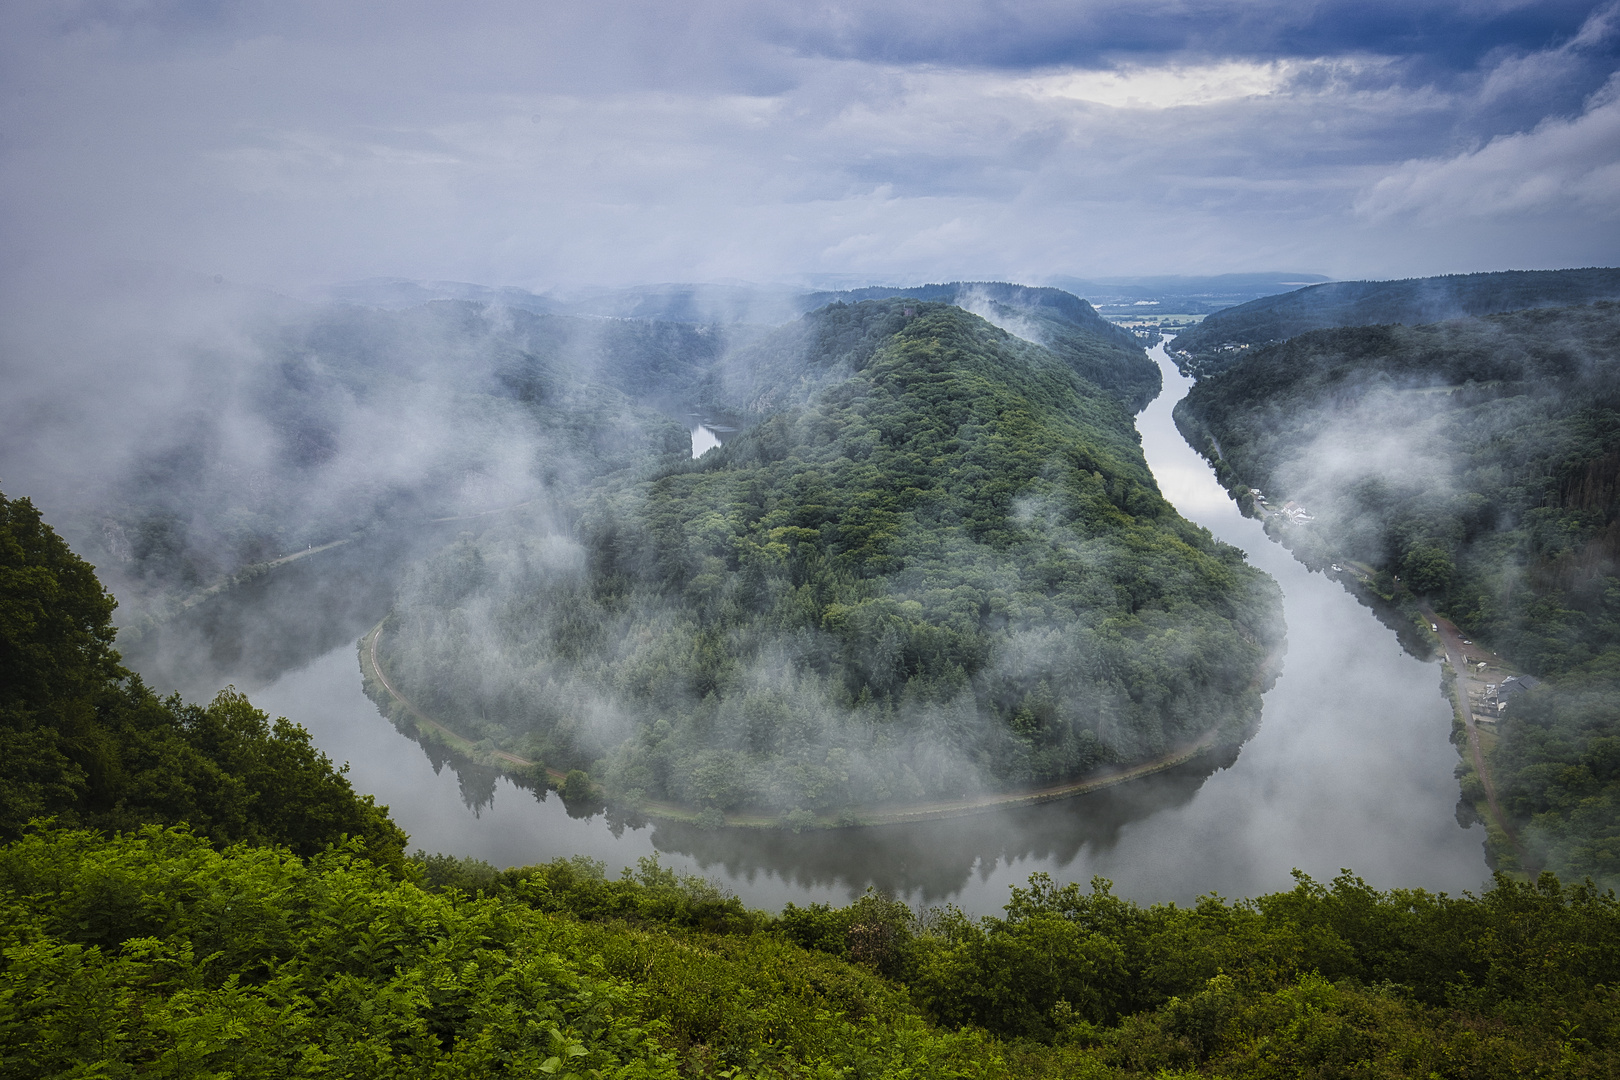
(545,144)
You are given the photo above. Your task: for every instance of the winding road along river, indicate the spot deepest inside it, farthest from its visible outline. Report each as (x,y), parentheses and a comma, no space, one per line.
(1351,768)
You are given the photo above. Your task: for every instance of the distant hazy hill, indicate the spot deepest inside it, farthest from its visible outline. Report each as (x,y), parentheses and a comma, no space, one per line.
(323,420)
(1411,301)
(1133,297)
(396,293)
(771,305)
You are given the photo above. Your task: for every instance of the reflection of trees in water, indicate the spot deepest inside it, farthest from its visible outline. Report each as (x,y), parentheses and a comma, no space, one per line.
(1418,645)
(438,754)
(1396,618)
(477,784)
(931,859)
(936,858)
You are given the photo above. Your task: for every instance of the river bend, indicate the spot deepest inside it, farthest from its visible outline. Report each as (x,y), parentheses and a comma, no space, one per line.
(1351,767)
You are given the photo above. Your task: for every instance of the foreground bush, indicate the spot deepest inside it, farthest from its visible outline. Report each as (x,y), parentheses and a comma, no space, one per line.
(157,954)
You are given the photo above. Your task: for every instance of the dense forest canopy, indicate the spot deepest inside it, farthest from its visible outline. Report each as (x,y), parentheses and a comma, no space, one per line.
(1474,464)
(1223,335)
(940,566)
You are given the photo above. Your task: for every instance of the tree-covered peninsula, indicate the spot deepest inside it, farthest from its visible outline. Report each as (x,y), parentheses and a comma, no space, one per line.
(1474,466)
(935,565)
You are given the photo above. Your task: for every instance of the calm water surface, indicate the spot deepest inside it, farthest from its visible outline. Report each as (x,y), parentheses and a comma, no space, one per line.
(1351,768)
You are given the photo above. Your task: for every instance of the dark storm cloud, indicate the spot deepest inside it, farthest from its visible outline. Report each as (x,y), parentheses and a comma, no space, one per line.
(1022,33)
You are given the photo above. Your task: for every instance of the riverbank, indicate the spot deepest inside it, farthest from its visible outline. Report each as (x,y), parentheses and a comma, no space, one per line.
(1416,627)
(402,712)
(1464,664)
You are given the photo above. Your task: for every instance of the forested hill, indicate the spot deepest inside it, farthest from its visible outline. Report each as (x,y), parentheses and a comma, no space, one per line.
(367,420)
(1474,465)
(1053,303)
(785,366)
(945,568)
(1097,349)
(1411,301)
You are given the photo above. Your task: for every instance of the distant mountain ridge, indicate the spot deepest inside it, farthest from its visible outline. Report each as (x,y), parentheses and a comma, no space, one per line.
(772,305)
(1412,302)
(1132,297)
(704,302)
(1098,350)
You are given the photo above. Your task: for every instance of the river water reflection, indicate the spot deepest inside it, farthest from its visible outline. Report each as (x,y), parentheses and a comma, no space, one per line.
(1350,768)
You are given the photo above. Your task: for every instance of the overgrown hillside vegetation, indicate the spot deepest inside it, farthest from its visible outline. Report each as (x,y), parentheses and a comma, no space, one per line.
(1223,336)
(283,951)
(83,741)
(941,567)
(1475,465)
(155,954)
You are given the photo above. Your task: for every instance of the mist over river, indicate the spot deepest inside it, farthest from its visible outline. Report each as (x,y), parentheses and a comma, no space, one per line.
(1351,766)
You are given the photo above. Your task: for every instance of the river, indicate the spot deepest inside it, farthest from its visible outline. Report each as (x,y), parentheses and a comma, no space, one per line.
(1351,767)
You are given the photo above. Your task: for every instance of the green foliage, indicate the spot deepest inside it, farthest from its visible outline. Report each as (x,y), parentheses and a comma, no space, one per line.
(761,1005)
(156,954)
(1328,980)
(1558,769)
(877,930)
(1475,464)
(83,740)
(650,894)
(56,656)
(945,566)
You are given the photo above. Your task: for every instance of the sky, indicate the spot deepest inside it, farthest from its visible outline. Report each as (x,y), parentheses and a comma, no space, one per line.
(552,145)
